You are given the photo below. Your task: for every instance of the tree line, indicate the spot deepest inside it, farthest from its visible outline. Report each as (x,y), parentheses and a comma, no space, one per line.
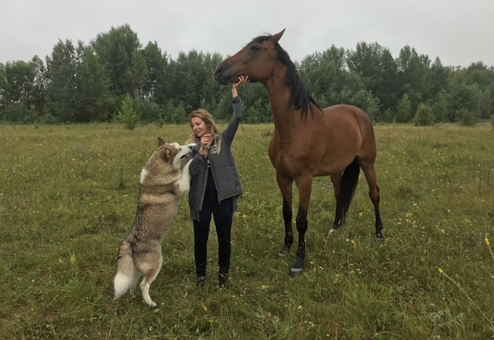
(114,75)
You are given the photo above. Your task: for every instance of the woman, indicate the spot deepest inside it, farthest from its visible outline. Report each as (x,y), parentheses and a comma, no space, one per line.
(214,186)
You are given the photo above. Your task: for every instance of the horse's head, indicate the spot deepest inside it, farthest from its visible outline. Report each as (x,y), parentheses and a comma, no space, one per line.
(256,60)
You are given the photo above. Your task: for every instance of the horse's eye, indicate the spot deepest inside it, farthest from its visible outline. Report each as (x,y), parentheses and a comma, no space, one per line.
(254,48)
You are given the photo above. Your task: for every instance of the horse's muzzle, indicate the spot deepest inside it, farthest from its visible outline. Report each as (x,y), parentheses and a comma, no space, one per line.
(222,77)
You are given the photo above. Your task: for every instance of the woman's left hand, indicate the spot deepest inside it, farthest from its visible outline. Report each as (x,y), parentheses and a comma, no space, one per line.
(241,80)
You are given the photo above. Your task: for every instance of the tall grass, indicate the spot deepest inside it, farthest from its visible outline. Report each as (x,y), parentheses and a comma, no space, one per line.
(68,197)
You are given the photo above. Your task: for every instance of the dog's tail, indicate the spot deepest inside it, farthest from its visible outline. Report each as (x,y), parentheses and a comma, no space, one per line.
(127,273)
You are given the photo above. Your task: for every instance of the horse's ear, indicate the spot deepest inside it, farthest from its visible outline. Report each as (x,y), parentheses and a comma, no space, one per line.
(278,36)
(160,141)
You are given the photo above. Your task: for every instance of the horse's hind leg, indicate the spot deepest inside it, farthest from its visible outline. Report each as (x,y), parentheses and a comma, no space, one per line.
(345,184)
(336,180)
(285,185)
(370,176)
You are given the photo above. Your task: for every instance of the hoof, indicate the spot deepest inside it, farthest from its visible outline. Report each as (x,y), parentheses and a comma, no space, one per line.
(294,272)
(283,251)
(379,235)
(332,232)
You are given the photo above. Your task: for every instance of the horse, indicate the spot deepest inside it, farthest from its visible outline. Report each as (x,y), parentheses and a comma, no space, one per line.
(307,141)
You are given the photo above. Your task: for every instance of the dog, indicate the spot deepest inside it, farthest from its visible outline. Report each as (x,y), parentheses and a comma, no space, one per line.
(163,183)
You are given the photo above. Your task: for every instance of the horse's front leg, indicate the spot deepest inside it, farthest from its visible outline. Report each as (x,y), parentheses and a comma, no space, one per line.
(285,185)
(304,185)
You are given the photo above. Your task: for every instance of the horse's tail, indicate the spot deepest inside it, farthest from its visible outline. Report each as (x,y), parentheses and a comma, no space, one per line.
(349,182)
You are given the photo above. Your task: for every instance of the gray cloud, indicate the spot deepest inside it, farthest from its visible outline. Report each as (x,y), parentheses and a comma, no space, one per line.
(458,32)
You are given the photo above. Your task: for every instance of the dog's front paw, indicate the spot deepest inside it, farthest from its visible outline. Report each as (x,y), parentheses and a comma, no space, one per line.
(186,166)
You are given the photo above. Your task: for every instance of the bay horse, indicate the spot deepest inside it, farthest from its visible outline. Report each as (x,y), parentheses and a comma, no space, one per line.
(307,141)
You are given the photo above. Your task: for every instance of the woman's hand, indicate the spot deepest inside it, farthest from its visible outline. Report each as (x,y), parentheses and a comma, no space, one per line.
(205,144)
(241,80)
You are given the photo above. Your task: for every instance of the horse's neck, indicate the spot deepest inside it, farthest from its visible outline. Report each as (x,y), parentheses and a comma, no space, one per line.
(283,116)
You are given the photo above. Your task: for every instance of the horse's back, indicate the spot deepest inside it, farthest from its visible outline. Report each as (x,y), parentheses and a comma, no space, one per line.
(349,119)
(349,134)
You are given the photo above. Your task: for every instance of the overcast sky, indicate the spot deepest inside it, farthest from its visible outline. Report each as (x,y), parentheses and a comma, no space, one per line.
(458,32)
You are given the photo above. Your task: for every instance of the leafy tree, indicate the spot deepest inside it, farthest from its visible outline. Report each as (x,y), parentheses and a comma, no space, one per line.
(62,71)
(424,116)
(465,117)
(148,110)
(189,74)
(321,76)
(440,107)
(211,91)
(377,69)
(386,89)
(330,84)
(337,57)
(95,100)
(439,76)
(179,116)
(478,73)
(468,97)
(78,88)
(486,104)
(126,115)
(158,87)
(412,76)
(404,109)
(118,50)
(138,74)
(82,83)
(23,84)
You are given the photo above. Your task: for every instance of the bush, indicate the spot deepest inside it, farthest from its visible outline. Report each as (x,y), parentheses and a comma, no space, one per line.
(127,115)
(466,117)
(179,116)
(424,116)
(20,113)
(440,109)
(404,109)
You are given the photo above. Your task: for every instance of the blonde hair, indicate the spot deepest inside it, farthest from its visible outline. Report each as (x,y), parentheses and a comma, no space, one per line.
(207,118)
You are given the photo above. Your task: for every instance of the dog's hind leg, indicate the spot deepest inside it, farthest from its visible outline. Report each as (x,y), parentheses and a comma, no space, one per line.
(150,270)
(127,274)
(135,279)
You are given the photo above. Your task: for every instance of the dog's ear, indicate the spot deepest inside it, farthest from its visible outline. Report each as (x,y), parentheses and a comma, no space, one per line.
(167,154)
(160,142)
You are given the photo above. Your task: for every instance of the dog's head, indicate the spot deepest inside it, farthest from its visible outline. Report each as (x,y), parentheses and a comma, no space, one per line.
(173,153)
(165,163)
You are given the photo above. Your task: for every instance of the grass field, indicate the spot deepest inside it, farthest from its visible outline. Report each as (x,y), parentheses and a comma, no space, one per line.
(68,198)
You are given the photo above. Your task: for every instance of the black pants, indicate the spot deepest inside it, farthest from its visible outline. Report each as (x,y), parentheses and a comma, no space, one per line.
(223,217)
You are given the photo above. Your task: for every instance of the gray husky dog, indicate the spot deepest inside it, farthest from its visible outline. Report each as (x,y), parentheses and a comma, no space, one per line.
(163,183)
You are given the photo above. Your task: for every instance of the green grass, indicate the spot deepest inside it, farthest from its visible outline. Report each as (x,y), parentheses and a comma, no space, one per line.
(68,197)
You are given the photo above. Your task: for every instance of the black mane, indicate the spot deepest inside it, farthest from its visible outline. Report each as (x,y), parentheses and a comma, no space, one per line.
(299,96)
